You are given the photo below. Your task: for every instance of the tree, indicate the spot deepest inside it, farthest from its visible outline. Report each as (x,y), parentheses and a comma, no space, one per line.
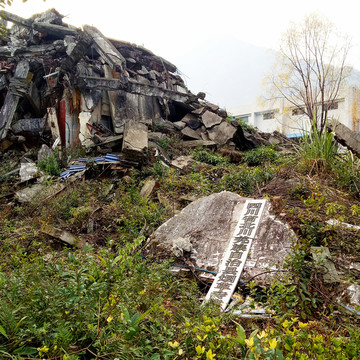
(3,3)
(312,68)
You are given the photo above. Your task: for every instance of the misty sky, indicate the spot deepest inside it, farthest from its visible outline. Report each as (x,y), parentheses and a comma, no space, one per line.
(220,47)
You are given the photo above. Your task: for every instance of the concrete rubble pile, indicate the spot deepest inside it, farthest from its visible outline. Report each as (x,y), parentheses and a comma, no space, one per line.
(66,85)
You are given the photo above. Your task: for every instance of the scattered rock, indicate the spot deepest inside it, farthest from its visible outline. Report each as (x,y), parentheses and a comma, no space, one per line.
(64,236)
(183,162)
(322,258)
(26,195)
(208,225)
(222,133)
(28,170)
(190,133)
(147,188)
(210,119)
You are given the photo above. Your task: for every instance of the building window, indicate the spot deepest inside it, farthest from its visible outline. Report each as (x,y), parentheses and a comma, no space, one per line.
(244,119)
(269,115)
(332,106)
(298,111)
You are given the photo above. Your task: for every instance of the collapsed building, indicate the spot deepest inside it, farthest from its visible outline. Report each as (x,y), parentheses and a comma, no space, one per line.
(67,86)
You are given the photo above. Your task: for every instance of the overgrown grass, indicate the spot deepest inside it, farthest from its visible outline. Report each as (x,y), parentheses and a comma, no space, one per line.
(261,156)
(210,158)
(317,150)
(50,164)
(107,302)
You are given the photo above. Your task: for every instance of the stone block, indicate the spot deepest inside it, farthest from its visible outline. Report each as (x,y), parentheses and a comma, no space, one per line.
(210,119)
(135,140)
(222,133)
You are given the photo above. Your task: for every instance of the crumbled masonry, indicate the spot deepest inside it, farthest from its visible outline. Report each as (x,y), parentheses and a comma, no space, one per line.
(62,84)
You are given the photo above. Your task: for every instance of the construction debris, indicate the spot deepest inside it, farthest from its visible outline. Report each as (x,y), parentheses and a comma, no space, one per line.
(65,85)
(63,236)
(346,137)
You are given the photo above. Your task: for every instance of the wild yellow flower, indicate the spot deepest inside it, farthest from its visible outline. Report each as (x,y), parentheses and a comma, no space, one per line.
(109,319)
(174,344)
(302,325)
(201,338)
(210,355)
(181,351)
(272,343)
(44,349)
(250,342)
(263,334)
(286,324)
(200,349)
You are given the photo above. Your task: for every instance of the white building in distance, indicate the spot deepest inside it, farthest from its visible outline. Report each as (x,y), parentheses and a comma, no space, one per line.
(278,114)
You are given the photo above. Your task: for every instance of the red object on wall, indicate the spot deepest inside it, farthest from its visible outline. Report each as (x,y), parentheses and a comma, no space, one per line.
(62,122)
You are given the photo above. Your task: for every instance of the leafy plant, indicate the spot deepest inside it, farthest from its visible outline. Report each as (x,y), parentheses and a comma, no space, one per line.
(317,150)
(50,165)
(245,126)
(261,155)
(208,157)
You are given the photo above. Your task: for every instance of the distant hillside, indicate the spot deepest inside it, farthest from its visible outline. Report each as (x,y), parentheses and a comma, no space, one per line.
(228,70)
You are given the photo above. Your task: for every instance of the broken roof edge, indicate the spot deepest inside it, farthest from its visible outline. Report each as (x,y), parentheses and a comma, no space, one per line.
(31,21)
(119,43)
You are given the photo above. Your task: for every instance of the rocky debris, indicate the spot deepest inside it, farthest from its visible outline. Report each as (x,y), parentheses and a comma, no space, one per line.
(323,262)
(148,188)
(222,133)
(28,170)
(210,119)
(63,236)
(351,296)
(26,195)
(183,162)
(206,226)
(135,141)
(65,85)
(346,137)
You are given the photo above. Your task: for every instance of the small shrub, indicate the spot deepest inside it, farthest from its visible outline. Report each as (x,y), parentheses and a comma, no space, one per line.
(239,181)
(317,150)
(50,165)
(346,169)
(260,156)
(208,157)
(245,126)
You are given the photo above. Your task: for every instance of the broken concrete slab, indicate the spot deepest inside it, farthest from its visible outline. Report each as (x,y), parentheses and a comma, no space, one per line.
(179,125)
(322,258)
(189,117)
(147,188)
(64,236)
(346,137)
(28,126)
(198,111)
(351,296)
(183,162)
(190,133)
(222,133)
(107,50)
(209,224)
(135,141)
(26,195)
(210,119)
(201,143)
(18,87)
(44,152)
(28,170)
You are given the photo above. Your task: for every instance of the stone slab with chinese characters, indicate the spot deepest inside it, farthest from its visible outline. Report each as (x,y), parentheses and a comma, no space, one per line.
(235,256)
(206,227)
